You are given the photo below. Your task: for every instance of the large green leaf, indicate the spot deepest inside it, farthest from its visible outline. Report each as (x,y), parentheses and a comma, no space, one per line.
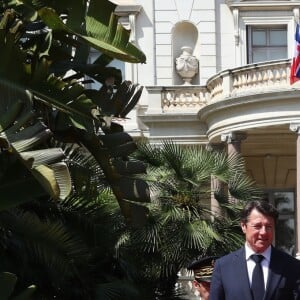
(61,104)
(55,179)
(21,139)
(7,285)
(12,59)
(8,118)
(19,191)
(104,35)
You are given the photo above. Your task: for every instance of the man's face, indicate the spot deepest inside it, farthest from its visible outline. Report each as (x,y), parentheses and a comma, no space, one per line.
(259,231)
(203,288)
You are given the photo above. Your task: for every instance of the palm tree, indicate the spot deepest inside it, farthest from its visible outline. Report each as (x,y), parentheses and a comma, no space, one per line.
(52,206)
(66,247)
(181,225)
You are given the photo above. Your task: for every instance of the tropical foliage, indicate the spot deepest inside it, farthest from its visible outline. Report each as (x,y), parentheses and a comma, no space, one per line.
(7,285)
(75,213)
(43,64)
(181,225)
(60,142)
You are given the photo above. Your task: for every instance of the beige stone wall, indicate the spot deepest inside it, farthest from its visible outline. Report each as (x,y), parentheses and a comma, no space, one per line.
(273,172)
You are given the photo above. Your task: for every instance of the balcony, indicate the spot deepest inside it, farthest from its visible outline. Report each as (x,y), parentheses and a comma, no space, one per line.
(250,96)
(247,80)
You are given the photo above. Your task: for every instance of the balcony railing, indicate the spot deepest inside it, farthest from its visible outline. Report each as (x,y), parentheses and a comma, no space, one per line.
(184,97)
(238,82)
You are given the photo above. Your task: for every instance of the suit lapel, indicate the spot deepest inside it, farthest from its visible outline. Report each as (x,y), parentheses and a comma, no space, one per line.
(242,273)
(274,274)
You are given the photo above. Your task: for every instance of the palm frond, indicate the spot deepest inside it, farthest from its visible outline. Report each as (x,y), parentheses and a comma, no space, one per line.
(149,237)
(45,243)
(243,187)
(199,235)
(174,157)
(149,153)
(116,290)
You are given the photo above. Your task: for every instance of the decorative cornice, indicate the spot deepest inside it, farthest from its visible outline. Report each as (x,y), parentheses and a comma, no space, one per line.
(235,13)
(295,127)
(127,10)
(262,5)
(127,14)
(235,136)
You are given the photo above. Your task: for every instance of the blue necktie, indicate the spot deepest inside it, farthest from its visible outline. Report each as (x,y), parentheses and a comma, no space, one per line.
(258,286)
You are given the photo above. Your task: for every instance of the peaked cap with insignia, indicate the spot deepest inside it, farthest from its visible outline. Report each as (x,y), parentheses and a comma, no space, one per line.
(203,268)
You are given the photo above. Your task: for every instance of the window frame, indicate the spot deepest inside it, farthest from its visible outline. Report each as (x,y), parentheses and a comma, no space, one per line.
(264,18)
(268,47)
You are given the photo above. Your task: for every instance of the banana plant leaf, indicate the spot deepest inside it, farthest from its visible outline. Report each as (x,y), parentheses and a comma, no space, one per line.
(19,191)
(7,286)
(102,33)
(129,167)
(60,107)
(43,163)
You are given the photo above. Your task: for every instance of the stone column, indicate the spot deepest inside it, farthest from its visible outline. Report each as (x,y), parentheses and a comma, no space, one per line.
(233,140)
(295,127)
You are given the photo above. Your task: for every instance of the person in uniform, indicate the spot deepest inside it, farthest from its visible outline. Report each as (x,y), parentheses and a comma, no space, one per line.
(203,269)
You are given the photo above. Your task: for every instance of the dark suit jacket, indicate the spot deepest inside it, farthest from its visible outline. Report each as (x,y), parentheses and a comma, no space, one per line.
(230,277)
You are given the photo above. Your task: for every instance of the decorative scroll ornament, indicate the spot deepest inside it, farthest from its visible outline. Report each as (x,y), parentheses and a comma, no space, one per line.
(187,65)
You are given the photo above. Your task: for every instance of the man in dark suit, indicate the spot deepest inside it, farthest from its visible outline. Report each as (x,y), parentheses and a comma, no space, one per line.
(236,275)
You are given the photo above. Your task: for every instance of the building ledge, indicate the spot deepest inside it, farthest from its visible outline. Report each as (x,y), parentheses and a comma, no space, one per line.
(263,5)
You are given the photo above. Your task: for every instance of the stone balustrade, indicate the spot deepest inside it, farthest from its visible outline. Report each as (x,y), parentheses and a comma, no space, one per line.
(184,97)
(242,81)
(250,79)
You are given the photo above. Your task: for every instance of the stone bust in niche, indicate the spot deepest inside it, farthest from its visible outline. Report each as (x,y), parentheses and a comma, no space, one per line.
(186,65)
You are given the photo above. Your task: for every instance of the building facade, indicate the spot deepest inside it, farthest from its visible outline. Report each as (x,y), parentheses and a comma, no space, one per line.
(217,74)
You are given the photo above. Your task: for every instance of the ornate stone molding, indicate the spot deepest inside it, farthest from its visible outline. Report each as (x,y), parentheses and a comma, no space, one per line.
(231,137)
(183,97)
(187,65)
(262,5)
(235,13)
(296,14)
(126,10)
(132,27)
(127,14)
(295,127)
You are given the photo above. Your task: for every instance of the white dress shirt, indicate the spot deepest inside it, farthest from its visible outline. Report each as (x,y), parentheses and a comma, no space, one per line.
(264,263)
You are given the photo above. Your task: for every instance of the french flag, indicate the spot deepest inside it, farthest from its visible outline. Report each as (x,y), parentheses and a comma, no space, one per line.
(295,67)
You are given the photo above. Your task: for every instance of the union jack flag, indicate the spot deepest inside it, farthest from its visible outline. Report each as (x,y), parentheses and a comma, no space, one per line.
(295,67)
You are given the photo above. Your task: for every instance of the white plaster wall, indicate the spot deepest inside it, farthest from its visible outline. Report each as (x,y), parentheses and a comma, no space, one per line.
(216,47)
(154,27)
(145,41)
(227,56)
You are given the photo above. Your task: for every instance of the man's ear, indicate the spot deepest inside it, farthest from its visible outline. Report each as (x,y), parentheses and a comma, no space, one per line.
(196,284)
(243,226)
